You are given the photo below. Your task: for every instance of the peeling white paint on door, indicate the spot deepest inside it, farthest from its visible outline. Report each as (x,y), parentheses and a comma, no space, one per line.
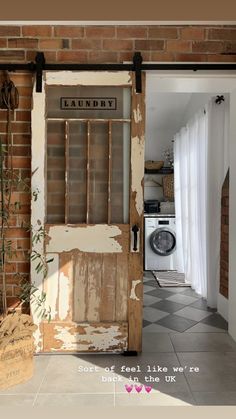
(137,167)
(133,295)
(97,238)
(94,338)
(64,296)
(89,78)
(51,284)
(137,115)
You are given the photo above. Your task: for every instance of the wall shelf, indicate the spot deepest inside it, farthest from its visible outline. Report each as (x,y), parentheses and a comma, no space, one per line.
(163,171)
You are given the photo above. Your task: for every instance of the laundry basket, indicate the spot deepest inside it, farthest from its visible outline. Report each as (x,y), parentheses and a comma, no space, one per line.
(168,187)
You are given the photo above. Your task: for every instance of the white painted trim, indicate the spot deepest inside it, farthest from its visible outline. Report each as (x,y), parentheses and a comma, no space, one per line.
(232,218)
(117,22)
(223,307)
(100,238)
(37,184)
(88,78)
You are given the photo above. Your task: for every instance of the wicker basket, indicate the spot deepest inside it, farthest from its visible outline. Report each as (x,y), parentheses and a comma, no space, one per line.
(168,187)
(153,165)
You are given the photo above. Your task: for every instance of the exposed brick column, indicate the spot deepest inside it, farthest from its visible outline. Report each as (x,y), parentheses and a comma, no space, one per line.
(17,232)
(224,245)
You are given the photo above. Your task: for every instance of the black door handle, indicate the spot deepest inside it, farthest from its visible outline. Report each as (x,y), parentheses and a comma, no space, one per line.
(135,230)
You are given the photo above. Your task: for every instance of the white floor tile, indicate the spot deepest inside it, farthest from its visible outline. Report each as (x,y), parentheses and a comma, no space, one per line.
(193,313)
(205,328)
(182,299)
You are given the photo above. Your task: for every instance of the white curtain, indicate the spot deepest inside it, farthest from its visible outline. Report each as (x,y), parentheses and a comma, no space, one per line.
(201,161)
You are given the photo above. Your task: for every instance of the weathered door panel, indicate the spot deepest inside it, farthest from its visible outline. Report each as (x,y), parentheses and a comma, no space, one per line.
(94,283)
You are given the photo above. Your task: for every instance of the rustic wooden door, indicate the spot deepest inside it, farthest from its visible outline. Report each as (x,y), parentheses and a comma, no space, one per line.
(88,168)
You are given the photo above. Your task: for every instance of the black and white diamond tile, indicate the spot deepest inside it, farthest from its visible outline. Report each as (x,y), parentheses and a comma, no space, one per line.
(177,310)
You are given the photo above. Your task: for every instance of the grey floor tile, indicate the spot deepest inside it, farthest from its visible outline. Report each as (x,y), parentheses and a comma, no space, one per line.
(175,290)
(155,380)
(152,283)
(153,342)
(204,328)
(191,293)
(216,320)
(70,400)
(15,400)
(160,293)
(152,314)
(180,324)
(223,398)
(146,323)
(73,382)
(149,300)
(193,313)
(76,374)
(182,299)
(154,399)
(202,304)
(217,371)
(203,342)
(168,306)
(31,386)
(148,274)
(144,359)
(149,288)
(156,328)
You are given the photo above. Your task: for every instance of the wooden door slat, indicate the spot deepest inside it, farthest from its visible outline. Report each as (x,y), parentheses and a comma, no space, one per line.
(94,278)
(108,290)
(122,287)
(80,287)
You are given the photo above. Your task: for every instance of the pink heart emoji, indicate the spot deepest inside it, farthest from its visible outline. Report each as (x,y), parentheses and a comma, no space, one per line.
(138,388)
(148,388)
(128,388)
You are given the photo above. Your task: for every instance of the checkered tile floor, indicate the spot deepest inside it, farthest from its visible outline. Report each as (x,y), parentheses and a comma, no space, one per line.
(180,309)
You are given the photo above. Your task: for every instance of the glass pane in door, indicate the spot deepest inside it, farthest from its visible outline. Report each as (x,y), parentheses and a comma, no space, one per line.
(98,172)
(55,172)
(77,172)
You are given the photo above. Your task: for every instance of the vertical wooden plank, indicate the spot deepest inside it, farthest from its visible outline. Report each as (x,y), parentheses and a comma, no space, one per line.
(122,279)
(65,300)
(108,289)
(109,169)
(80,287)
(66,171)
(94,279)
(135,287)
(88,169)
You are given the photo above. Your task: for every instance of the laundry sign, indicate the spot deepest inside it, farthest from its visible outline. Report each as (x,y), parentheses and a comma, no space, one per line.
(88,103)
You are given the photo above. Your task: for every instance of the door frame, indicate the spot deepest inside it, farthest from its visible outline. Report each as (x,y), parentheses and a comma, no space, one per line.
(38,210)
(211,81)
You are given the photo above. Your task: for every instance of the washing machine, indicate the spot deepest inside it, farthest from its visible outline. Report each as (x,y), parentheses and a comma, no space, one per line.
(160,243)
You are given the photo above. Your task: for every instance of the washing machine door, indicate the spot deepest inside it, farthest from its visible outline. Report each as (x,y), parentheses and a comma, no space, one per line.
(163,241)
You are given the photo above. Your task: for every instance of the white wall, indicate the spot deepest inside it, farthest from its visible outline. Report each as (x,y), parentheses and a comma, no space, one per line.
(166,114)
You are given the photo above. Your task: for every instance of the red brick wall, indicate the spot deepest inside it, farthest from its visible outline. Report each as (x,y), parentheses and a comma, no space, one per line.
(93,44)
(224,250)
